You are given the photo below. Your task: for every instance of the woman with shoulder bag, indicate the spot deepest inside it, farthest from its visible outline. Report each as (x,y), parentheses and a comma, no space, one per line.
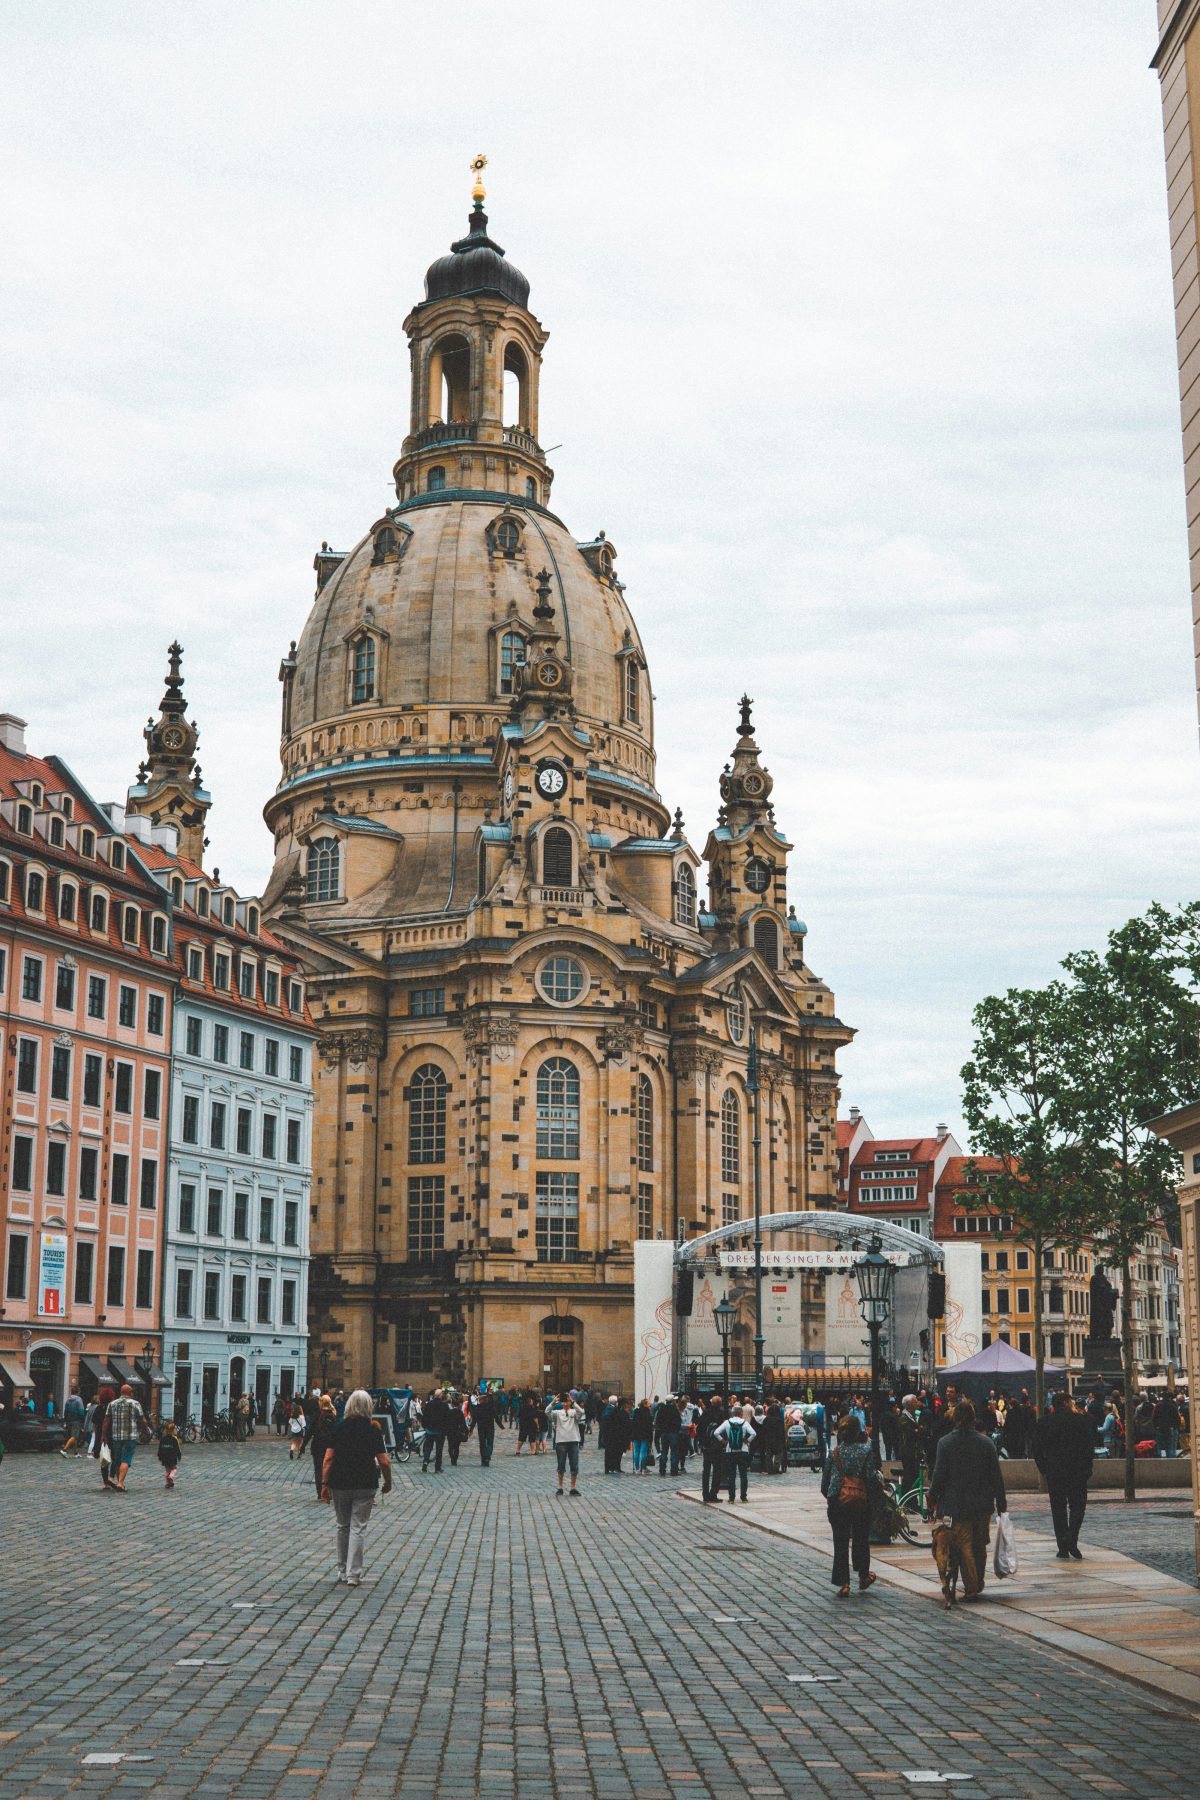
(850,1483)
(353,1464)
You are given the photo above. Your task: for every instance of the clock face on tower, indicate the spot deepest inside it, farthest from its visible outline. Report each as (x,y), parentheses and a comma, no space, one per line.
(549,674)
(551,780)
(173,738)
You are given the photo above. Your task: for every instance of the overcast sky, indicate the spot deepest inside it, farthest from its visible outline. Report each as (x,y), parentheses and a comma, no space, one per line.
(861,353)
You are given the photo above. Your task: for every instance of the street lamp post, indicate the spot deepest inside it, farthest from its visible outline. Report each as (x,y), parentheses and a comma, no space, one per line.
(752,1090)
(325,1371)
(724,1315)
(148,1368)
(874,1274)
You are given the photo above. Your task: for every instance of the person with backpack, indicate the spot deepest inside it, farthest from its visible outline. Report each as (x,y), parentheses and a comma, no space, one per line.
(850,1484)
(736,1436)
(641,1433)
(169,1453)
(1166,1425)
(668,1427)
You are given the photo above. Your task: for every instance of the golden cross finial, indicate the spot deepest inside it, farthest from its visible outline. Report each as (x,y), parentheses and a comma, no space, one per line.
(478,192)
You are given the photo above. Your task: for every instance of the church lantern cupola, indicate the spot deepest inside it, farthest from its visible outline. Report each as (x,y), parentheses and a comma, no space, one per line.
(476,353)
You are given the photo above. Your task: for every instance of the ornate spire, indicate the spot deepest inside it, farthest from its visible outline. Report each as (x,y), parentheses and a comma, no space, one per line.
(745,784)
(169,788)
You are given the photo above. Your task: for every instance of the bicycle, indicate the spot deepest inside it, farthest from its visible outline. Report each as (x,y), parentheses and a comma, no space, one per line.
(895,1518)
(413,1442)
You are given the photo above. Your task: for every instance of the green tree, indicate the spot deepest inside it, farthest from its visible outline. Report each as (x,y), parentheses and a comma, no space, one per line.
(1012,1102)
(1131,1051)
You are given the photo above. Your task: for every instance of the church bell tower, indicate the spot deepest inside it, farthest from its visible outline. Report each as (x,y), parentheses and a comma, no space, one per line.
(168,790)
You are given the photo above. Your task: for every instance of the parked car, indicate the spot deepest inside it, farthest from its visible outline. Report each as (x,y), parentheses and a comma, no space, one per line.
(25,1431)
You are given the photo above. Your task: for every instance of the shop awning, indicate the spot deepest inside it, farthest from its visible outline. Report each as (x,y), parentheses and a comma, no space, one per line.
(124,1371)
(15,1374)
(99,1371)
(157,1378)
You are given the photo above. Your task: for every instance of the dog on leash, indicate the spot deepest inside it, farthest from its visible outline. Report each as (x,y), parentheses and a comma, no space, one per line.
(947,1562)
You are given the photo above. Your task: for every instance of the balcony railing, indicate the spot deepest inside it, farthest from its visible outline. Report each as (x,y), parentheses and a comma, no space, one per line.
(450,431)
(554,896)
(519,439)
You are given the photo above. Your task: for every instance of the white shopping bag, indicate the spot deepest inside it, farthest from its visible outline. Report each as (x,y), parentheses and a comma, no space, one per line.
(1004,1556)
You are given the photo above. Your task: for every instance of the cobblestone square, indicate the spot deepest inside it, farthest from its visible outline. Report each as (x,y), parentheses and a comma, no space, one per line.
(507,1643)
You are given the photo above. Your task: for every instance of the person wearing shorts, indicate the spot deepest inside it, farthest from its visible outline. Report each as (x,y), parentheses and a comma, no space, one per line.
(566,1420)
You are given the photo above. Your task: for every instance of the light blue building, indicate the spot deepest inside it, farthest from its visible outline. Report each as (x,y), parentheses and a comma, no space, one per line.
(235,1294)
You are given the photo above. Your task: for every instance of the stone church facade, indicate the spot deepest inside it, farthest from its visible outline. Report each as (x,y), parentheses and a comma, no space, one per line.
(533,1027)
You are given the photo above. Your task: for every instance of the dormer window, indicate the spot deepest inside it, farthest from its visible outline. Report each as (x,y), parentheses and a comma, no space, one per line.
(385,544)
(177,889)
(35,892)
(158,935)
(435,481)
(252,920)
(66,902)
(220,971)
(513,651)
(195,963)
(685,895)
(98,916)
(632,691)
(37,792)
(87,842)
(246,979)
(68,807)
(25,820)
(202,903)
(58,833)
(116,855)
(130,925)
(271,987)
(324,869)
(362,670)
(5,880)
(228,909)
(296,996)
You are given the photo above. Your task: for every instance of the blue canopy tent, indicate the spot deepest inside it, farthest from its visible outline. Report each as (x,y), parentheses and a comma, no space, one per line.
(1001,1369)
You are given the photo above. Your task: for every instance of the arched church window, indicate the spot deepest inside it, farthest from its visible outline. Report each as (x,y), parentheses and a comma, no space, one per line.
(362,685)
(735,1015)
(558,858)
(324,869)
(512,658)
(385,544)
(530,488)
(435,481)
(766,941)
(516,387)
(685,896)
(632,695)
(508,537)
(731,1139)
(427,1115)
(558,1111)
(644,1103)
(481,877)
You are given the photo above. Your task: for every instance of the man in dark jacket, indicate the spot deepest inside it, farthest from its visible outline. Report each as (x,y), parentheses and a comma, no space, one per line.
(966,1484)
(436,1417)
(712,1449)
(483,1418)
(1063,1449)
(668,1425)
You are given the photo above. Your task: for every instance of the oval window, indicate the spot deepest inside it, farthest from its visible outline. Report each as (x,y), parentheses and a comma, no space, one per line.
(758,875)
(735,1016)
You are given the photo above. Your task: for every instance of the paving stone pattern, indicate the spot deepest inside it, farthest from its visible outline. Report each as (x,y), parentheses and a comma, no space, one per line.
(1156,1530)
(506,1643)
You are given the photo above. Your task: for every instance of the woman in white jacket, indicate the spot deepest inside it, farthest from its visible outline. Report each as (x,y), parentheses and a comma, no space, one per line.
(566,1420)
